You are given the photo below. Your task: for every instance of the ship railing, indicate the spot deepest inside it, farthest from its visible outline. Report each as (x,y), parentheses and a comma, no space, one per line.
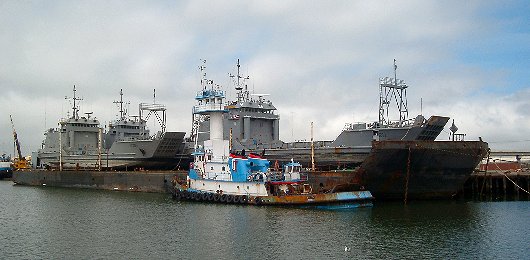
(276,176)
(377,125)
(354,126)
(152,107)
(208,107)
(209,93)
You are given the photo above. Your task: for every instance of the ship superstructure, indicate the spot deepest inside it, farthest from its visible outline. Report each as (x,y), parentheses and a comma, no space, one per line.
(391,91)
(76,143)
(251,118)
(129,139)
(125,128)
(80,142)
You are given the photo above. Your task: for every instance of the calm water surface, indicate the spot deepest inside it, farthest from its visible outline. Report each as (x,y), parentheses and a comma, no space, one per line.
(55,223)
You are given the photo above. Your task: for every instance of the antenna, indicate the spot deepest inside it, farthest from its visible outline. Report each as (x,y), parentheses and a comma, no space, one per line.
(45,108)
(241,95)
(75,108)
(421,106)
(202,68)
(122,115)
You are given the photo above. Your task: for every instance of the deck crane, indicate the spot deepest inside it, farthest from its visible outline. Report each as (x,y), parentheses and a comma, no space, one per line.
(18,162)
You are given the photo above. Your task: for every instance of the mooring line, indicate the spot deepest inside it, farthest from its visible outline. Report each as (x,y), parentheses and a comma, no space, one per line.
(510,179)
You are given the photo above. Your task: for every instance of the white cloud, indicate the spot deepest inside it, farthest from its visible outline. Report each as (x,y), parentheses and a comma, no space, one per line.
(319,60)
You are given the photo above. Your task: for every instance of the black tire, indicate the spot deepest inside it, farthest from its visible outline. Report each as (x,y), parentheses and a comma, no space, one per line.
(196,196)
(185,195)
(209,196)
(258,201)
(204,196)
(229,198)
(237,199)
(177,195)
(244,199)
(223,198)
(216,197)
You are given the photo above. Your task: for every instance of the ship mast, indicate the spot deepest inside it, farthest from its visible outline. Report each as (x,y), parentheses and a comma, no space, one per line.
(241,95)
(392,90)
(75,108)
(122,115)
(198,118)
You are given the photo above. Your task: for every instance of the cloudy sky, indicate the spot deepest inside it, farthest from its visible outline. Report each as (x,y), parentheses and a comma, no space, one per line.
(320,61)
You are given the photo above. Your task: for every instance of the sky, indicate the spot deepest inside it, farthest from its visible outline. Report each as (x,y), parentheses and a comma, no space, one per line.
(320,61)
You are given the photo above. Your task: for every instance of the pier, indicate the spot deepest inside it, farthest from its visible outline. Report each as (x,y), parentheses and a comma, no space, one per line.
(503,175)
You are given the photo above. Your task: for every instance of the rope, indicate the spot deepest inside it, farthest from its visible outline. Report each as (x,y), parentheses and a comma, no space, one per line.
(510,179)
(485,172)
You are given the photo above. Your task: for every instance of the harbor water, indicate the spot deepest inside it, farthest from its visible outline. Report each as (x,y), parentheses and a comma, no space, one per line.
(60,223)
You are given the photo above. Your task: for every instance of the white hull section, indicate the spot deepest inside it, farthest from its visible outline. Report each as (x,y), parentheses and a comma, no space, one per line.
(229,187)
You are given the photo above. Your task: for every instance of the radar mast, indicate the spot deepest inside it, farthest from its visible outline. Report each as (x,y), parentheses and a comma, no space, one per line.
(392,90)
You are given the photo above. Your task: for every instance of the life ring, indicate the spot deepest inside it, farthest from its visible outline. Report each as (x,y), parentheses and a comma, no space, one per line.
(229,198)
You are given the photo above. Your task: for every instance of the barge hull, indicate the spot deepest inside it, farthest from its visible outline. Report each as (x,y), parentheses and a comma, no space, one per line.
(413,169)
(135,181)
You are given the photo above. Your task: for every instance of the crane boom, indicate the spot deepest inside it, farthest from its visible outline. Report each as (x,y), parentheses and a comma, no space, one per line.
(20,162)
(17,143)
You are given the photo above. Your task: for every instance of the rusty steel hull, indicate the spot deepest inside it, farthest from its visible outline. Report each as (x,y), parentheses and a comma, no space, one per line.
(334,200)
(409,169)
(355,197)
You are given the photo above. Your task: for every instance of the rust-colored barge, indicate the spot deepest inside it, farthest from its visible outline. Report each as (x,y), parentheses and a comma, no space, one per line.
(409,169)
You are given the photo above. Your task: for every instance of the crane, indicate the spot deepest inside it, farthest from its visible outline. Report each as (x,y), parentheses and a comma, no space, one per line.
(18,162)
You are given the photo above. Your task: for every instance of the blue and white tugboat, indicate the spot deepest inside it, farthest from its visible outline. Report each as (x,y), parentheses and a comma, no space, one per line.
(219,175)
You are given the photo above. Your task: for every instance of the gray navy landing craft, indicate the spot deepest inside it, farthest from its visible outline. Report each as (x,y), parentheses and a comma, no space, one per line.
(80,143)
(253,125)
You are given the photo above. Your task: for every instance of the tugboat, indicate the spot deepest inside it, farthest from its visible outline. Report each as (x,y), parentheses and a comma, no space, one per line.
(218,175)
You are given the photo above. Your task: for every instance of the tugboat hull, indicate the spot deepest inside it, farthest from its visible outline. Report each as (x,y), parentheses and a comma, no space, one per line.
(337,200)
